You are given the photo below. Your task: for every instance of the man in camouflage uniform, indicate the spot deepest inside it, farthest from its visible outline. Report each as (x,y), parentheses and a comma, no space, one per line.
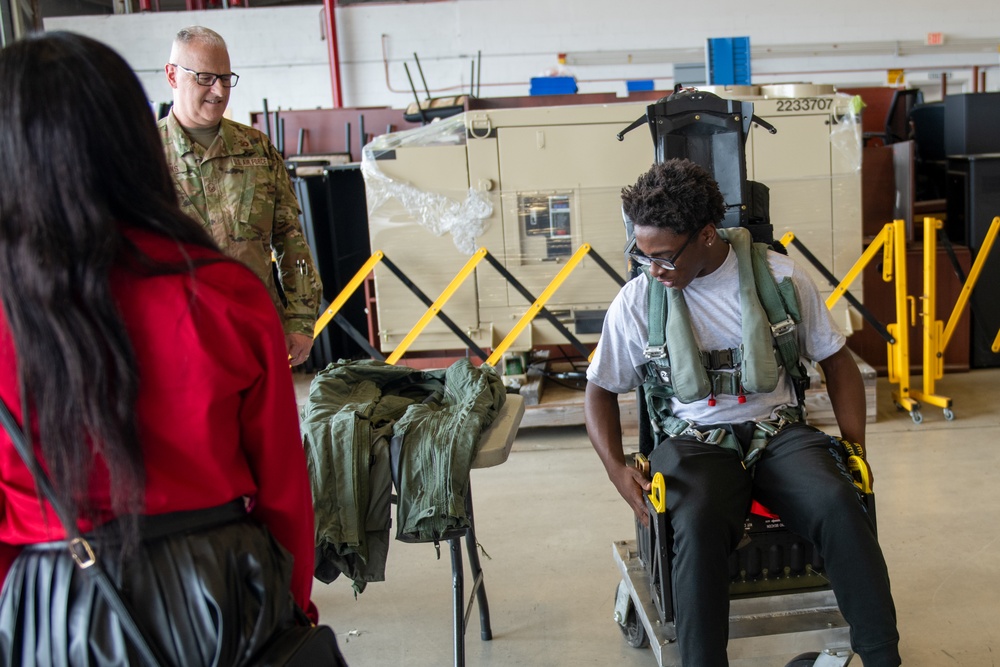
(230,177)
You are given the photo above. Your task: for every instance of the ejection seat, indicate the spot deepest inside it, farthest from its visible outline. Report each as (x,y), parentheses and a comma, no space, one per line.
(781,601)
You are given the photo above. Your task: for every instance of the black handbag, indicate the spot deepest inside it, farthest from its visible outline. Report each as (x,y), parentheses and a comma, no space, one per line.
(303,644)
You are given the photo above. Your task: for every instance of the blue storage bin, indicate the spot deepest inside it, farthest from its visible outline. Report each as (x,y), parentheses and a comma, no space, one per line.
(553,85)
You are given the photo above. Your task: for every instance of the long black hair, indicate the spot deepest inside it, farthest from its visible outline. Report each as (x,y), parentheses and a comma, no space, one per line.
(80,159)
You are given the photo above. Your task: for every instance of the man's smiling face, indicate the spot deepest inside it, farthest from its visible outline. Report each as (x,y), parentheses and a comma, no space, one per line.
(197,106)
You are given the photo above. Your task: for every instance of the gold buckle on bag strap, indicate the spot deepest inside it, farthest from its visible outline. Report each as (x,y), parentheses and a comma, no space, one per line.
(82,554)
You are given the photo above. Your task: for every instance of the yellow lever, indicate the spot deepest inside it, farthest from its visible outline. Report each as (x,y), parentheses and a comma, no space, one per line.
(658,493)
(861,472)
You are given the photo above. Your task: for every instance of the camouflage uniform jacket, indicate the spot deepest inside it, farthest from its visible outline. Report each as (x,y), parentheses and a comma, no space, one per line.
(239,189)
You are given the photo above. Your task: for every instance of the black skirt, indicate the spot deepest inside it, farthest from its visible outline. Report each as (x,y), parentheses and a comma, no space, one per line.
(210,595)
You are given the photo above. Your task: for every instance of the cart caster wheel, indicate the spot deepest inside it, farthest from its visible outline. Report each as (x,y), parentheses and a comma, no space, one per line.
(633,630)
(948,414)
(916,417)
(803,660)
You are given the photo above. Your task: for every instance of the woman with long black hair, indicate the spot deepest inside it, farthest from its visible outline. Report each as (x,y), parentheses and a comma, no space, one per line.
(151,377)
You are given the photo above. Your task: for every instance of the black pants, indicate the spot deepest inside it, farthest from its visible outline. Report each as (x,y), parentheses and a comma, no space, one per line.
(801,476)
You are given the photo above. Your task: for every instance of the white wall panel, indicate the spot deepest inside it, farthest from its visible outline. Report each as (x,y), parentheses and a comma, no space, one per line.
(281,53)
(278,53)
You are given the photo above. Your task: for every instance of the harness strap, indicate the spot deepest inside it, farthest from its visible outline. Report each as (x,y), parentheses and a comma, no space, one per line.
(656,346)
(767,429)
(675,427)
(764,430)
(783,327)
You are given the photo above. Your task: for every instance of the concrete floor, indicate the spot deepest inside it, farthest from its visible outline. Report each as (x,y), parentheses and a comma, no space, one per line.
(548,515)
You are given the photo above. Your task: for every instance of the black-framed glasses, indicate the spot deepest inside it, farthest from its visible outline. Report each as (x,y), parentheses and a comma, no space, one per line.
(669,264)
(209,78)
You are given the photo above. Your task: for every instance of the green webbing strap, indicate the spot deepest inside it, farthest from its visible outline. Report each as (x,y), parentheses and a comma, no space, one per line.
(783,327)
(766,430)
(657,314)
(675,426)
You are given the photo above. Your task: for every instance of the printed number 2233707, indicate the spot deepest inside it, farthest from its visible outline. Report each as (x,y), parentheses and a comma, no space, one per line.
(805,104)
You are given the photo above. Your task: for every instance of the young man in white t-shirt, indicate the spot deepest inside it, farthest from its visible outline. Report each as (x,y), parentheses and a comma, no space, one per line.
(800,474)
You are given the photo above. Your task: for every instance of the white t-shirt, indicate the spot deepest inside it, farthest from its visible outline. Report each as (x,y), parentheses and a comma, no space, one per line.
(618,364)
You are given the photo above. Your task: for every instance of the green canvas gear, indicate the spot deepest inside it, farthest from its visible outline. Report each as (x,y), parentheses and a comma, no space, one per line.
(357,411)
(689,374)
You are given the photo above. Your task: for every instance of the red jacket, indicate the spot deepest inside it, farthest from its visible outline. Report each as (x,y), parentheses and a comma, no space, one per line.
(216,409)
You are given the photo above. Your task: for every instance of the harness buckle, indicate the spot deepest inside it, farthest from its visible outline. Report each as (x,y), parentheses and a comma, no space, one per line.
(722,359)
(692,432)
(769,427)
(783,328)
(714,360)
(655,351)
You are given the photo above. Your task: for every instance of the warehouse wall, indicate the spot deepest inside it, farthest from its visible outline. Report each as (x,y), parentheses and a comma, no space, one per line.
(281,52)
(278,52)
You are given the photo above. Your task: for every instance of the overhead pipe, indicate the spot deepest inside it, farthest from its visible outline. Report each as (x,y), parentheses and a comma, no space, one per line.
(330,8)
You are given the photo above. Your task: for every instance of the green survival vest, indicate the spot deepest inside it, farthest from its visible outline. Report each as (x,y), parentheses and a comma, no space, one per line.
(678,369)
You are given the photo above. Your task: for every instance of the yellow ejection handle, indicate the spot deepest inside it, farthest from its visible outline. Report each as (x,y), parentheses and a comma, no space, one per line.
(862,473)
(658,493)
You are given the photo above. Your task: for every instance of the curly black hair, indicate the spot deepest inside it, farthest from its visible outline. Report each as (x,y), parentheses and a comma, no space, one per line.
(677,194)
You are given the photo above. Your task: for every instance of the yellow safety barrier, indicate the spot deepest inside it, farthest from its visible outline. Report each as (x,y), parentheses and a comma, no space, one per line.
(963,297)
(899,351)
(891,240)
(435,307)
(933,338)
(539,303)
(352,285)
(936,335)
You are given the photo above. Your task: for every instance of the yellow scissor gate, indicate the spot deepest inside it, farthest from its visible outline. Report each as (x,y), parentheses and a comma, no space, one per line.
(892,240)
(435,308)
(936,334)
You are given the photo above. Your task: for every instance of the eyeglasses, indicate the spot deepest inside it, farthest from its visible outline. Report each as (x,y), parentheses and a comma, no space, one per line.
(669,264)
(209,79)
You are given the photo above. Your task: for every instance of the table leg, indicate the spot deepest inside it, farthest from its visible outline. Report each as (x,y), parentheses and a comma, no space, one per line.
(458,588)
(486,632)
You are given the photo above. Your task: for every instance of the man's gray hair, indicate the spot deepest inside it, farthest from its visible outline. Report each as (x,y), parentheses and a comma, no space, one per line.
(196,34)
